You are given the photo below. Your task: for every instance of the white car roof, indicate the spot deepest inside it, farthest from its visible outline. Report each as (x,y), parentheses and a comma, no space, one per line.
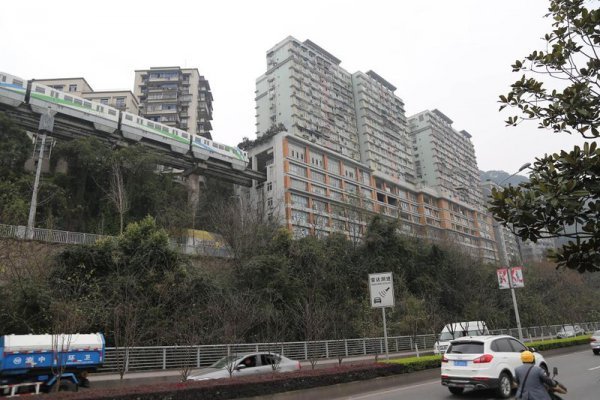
(483,338)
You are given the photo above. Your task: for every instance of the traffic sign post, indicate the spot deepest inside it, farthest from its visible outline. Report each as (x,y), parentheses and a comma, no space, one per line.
(381,290)
(511,278)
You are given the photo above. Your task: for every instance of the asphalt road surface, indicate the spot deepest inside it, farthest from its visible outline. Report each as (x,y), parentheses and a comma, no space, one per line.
(579,371)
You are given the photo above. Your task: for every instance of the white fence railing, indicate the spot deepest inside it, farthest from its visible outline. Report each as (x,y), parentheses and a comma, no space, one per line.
(204,248)
(175,357)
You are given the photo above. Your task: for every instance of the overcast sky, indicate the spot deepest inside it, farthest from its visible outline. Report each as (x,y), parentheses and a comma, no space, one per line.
(454,55)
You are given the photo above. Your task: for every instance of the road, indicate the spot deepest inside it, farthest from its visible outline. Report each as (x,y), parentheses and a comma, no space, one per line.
(579,371)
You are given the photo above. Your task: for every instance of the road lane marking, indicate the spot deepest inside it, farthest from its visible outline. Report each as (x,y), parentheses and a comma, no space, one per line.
(591,369)
(379,393)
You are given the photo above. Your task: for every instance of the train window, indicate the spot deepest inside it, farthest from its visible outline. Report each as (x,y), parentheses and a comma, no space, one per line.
(206,141)
(87,104)
(112,112)
(129,117)
(54,94)
(150,124)
(68,98)
(78,101)
(18,82)
(3,78)
(185,135)
(40,90)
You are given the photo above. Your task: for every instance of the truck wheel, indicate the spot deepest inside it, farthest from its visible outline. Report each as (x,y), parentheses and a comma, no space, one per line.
(456,390)
(504,386)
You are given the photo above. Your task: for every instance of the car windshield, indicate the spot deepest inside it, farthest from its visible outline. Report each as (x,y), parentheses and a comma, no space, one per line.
(447,336)
(567,328)
(465,348)
(223,362)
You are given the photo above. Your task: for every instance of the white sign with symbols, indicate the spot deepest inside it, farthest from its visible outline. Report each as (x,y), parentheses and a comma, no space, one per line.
(381,289)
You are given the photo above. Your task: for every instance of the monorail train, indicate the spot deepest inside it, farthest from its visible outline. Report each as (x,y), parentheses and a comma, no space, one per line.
(15,91)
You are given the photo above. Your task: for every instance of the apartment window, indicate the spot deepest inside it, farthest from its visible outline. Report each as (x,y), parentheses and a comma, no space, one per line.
(366,179)
(72,88)
(300,201)
(299,232)
(319,190)
(300,185)
(335,195)
(270,202)
(319,205)
(335,182)
(317,176)
(299,216)
(333,166)
(321,220)
(297,152)
(366,193)
(269,186)
(58,87)
(104,101)
(316,160)
(351,188)
(349,171)
(297,170)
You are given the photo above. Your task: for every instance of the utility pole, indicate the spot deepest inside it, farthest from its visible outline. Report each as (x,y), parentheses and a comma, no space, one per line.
(46,126)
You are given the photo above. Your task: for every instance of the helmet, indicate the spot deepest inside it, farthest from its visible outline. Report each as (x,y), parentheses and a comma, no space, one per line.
(527,357)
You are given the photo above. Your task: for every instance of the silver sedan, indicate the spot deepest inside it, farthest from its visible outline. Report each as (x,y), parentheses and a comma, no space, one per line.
(246,365)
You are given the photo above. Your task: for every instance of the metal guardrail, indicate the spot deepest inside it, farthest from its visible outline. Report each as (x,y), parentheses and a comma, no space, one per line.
(175,357)
(204,248)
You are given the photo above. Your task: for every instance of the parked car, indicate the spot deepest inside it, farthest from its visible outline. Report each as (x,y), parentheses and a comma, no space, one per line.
(456,330)
(595,342)
(245,365)
(484,362)
(570,331)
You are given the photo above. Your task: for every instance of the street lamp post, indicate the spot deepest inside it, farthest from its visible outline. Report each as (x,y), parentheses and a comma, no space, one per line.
(514,299)
(46,126)
(510,279)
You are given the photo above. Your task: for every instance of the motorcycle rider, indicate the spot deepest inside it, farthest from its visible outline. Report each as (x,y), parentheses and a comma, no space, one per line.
(531,379)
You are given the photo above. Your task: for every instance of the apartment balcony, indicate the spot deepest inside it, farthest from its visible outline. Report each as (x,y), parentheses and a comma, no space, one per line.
(161,98)
(176,78)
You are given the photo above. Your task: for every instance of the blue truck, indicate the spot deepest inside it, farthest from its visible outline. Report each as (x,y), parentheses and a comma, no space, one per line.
(35,362)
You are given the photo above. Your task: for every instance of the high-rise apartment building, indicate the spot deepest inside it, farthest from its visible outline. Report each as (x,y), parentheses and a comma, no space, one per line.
(175,96)
(337,148)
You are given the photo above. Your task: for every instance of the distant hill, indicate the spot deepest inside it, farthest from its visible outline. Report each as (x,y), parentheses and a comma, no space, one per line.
(499,176)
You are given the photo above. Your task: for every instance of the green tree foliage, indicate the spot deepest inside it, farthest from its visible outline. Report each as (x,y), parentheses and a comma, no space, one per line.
(15,183)
(15,148)
(562,197)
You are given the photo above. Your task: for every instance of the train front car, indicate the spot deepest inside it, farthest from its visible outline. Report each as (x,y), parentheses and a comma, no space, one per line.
(135,128)
(12,89)
(238,158)
(42,98)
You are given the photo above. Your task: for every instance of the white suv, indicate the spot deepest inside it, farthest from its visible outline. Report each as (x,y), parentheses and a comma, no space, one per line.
(483,362)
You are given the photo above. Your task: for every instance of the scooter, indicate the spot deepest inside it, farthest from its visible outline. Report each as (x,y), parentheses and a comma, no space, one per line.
(557,388)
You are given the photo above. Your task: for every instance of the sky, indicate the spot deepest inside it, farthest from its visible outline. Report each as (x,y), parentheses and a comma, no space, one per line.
(451,55)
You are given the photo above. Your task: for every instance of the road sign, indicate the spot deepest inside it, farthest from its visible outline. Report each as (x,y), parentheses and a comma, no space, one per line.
(381,289)
(502,274)
(516,277)
(510,277)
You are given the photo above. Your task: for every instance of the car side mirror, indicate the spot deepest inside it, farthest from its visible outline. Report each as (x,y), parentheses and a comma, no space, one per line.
(241,366)
(532,349)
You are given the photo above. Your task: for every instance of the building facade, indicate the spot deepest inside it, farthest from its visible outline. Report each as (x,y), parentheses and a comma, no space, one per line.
(174,96)
(337,149)
(75,86)
(123,100)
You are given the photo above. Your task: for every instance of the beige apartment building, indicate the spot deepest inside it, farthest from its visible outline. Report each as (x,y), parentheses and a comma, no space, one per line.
(74,86)
(174,96)
(337,148)
(123,100)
